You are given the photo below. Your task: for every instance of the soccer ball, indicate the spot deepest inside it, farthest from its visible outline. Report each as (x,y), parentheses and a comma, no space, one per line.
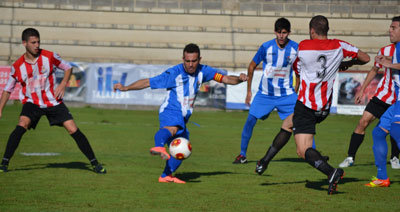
(180,148)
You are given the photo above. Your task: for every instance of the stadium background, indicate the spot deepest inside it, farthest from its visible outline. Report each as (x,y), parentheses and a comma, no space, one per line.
(102,36)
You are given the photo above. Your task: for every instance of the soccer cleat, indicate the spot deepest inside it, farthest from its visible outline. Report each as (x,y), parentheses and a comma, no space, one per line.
(99,169)
(160,151)
(261,167)
(375,182)
(349,161)
(240,159)
(395,163)
(3,168)
(170,179)
(334,179)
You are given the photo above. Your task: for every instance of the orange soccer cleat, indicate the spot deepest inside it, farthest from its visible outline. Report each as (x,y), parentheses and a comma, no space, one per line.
(375,182)
(170,179)
(160,151)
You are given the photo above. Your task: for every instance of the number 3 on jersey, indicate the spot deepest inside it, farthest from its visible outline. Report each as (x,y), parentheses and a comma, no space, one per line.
(322,59)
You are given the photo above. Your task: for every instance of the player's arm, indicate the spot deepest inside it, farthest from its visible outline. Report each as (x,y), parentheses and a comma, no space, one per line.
(138,85)
(362,58)
(234,80)
(297,85)
(387,62)
(370,76)
(250,73)
(3,100)
(60,90)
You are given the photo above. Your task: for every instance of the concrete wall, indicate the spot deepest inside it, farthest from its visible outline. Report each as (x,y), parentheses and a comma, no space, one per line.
(155,31)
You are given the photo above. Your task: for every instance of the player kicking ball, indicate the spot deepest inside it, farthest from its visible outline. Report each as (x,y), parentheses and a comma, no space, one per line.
(35,71)
(182,83)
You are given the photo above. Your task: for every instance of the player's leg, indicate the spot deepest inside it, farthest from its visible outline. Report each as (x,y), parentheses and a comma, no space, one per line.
(260,108)
(357,138)
(29,117)
(395,128)
(394,157)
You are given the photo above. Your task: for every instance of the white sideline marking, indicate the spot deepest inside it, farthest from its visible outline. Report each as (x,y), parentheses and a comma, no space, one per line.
(40,153)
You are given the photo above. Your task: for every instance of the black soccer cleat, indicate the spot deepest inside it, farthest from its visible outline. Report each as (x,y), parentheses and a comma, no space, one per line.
(99,169)
(240,159)
(334,179)
(3,168)
(326,158)
(261,167)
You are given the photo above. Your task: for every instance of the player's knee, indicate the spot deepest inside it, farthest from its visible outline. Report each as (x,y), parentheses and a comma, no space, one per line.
(301,153)
(24,122)
(70,126)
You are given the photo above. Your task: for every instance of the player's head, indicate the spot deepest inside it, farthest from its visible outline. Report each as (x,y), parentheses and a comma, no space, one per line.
(191,57)
(31,41)
(394,30)
(319,25)
(282,31)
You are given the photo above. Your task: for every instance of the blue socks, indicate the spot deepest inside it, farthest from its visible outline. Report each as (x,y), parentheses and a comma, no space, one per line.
(161,137)
(247,133)
(171,166)
(380,149)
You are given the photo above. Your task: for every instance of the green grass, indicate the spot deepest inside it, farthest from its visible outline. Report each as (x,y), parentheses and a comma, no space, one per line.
(122,139)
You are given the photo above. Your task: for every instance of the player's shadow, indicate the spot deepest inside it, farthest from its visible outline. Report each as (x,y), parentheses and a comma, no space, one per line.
(192,176)
(68,165)
(297,160)
(318,185)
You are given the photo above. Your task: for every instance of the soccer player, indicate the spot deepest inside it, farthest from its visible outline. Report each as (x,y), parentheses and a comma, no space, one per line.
(275,90)
(35,71)
(182,83)
(317,63)
(384,97)
(388,123)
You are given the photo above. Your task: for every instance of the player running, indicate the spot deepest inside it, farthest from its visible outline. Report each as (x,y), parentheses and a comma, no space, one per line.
(182,83)
(384,97)
(35,71)
(389,122)
(275,91)
(317,63)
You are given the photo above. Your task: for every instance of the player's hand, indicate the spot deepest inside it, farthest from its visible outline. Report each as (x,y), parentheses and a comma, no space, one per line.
(383,60)
(248,98)
(119,86)
(60,90)
(243,77)
(358,98)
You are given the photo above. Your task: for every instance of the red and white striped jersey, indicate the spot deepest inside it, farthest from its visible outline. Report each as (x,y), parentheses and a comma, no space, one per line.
(37,80)
(385,90)
(317,63)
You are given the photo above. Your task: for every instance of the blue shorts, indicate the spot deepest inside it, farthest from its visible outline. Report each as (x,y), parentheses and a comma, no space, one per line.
(263,105)
(391,115)
(174,118)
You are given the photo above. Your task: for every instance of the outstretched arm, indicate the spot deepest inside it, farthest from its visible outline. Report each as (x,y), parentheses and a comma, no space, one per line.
(362,58)
(3,100)
(138,85)
(233,80)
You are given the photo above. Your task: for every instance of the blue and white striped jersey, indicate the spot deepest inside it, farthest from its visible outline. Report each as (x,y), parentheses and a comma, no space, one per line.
(182,87)
(396,73)
(277,79)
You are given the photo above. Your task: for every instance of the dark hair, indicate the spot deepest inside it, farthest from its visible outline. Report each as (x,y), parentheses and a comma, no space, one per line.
(191,48)
(282,23)
(320,25)
(396,18)
(29,32)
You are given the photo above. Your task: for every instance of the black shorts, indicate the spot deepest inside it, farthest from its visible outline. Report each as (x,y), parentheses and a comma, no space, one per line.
(376,107)
(56,115)
(305,119)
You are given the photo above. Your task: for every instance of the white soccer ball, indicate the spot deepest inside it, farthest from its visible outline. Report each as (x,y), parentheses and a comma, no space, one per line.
(180,148)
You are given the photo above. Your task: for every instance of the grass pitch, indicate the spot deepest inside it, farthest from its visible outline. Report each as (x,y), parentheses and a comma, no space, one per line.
(121,140)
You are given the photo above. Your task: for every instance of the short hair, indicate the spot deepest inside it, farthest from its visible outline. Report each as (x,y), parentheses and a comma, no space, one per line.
(191,48)
(29,32)
(282,23)
(396,18)
(320,25)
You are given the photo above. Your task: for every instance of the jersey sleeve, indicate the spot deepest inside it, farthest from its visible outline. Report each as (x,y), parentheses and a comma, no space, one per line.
(396,56)
(296,66)
(348,50)
(11,81)
(164,80)
(260,55)
(60,63)
(377,64)
(210,73)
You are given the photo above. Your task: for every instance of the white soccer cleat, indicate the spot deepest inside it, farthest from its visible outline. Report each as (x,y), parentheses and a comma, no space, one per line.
(395,163)
(347,162)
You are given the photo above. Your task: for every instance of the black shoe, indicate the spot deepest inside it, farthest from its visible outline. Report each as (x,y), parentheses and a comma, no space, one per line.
(261,167)
(99,169)
(240,159)
(326,158)
(334,179)
(3,168)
